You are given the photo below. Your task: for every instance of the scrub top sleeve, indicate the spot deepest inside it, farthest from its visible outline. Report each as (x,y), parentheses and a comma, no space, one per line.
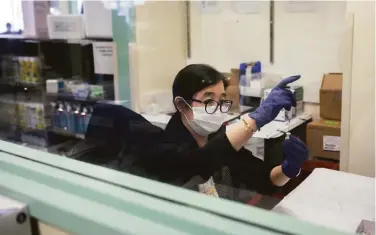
(216,153)
(174,160)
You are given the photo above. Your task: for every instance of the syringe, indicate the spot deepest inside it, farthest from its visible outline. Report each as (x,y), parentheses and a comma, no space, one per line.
(288,130)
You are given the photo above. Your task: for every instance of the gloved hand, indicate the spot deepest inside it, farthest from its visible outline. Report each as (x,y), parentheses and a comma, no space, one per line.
(278,99)
(295,153)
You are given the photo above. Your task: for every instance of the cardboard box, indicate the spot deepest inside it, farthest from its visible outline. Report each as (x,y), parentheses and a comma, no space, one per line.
(232,93)
(331,96)
(323,139)
(233,77)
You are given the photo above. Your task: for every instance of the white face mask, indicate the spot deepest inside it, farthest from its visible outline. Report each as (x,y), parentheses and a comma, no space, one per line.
(205,124)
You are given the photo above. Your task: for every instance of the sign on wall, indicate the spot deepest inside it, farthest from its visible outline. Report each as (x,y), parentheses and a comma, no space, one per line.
(247,7)
(103,53)
(301,6)
(210,6)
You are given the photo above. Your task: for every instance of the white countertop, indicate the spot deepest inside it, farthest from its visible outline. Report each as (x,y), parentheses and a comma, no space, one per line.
(333,199)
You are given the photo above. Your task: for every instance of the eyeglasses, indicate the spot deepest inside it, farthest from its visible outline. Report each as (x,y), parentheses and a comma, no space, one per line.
(211,106)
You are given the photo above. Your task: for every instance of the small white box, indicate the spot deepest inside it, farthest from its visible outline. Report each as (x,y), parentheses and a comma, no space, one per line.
(285,115)
(66,26)
(54,85)
(299,109)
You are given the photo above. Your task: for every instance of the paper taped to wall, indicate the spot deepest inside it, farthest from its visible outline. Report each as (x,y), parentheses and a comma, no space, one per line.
(210,6)
(103,53)
(247,7)
(301,6)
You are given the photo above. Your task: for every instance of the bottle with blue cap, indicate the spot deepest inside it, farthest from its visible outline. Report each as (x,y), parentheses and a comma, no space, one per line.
(242,81)
(256,71)
(250,84)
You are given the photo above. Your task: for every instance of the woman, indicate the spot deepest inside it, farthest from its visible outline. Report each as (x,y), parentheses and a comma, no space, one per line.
(197,145)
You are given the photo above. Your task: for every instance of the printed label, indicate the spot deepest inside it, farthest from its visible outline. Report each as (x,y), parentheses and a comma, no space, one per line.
(331,143)
(208,188)
(103,57)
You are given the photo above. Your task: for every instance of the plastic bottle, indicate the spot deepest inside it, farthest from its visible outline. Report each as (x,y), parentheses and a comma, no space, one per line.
(61,116)
(55,115)
(34,70)
(32,117)
(242,81)
(83,120)
(29,70)
(76,119)
(87,118)
(242,71)
(16,69)
(70,115)
(22,69)
(248,75)
(256,72)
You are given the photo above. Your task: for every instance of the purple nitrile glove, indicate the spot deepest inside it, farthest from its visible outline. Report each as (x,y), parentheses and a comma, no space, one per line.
(278,99)
(295,153)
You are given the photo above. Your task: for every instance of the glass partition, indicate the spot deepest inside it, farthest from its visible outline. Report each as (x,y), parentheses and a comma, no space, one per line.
(180,93)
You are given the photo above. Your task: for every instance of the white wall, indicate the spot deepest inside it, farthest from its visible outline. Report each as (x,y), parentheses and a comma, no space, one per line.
(64,6)
(305,42)
(361,148)
(309,43)
(160,49)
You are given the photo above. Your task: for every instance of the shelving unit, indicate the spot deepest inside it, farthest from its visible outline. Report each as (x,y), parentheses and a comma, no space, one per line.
(57,59)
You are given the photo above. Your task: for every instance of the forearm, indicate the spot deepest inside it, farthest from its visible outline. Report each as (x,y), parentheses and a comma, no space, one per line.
(277,177)
(239,134)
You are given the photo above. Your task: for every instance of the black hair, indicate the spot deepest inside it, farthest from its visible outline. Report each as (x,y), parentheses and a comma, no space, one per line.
(194,78)
(8,25)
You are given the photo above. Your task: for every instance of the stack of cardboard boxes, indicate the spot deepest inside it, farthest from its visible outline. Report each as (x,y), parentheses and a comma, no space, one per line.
(232,91)
(323,136)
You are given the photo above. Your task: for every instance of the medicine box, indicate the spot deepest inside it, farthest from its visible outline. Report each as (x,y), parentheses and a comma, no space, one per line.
(54,85)
(285,115)
(299,96)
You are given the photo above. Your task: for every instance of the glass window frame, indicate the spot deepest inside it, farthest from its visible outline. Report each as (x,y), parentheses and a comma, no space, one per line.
(66,187)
